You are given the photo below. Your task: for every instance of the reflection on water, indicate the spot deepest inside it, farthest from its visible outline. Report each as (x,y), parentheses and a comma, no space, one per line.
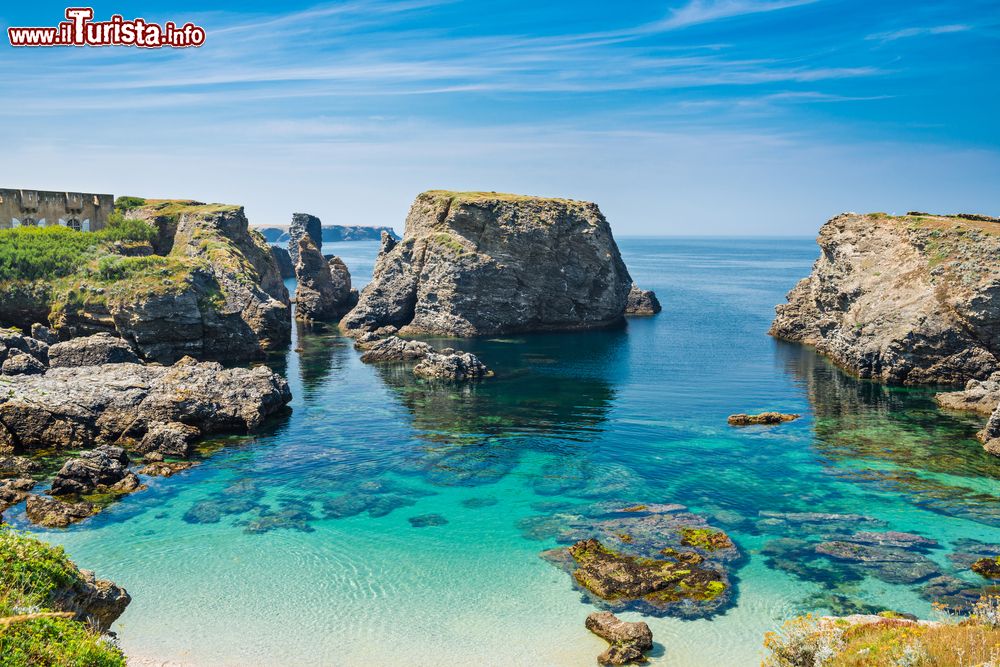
(896,438)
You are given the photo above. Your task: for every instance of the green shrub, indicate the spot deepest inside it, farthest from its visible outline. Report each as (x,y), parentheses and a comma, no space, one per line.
(46,253)
(117,267)
(124,203)
(30,571)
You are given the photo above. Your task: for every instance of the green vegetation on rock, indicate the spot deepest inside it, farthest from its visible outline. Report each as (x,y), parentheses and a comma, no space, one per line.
(705,538)
(31,574)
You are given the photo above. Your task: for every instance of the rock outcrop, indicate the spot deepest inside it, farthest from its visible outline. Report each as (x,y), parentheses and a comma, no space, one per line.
(451,366)
(52,513)
(991,434)
(21,363)
(102,348)
(905,300)
(486,263)
(283,260)
(14,490)
(629,641)
(83,407)
(394,348)
(642,302)
(303,226)
(323,287)
(103,468)
(764,418)
(212,290)
(979,396)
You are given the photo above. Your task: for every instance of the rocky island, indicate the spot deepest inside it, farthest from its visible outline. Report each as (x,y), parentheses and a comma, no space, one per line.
(911,299)
(485,263)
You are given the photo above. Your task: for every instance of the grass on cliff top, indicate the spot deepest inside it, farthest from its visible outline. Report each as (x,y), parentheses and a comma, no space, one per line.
(46,253)
(493,196)
(939,222)
(174,208)
(30,571)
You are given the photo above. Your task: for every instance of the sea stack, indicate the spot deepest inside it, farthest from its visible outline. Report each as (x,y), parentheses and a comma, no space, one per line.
(911,299)
(484,263)
(323,286)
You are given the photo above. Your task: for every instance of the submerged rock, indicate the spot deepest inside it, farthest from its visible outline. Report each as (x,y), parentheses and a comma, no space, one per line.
(53,513)
(659,560)
(988,568)
(427,520)
(889,564)
(452,366)
(767,418)
(102,348)
(487,263)
(641,302)
(102,469)
(905,300)
(629,641)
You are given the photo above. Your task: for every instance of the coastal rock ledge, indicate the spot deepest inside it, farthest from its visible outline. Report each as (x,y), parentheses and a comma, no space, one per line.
(908,300)
(483,263)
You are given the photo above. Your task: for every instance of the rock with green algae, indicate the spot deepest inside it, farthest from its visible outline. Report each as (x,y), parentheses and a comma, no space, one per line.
(633,557)
(763,418)
(988,568)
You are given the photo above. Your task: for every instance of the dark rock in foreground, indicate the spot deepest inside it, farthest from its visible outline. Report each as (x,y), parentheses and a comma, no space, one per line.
(80,408)
(480,263)
(104,468)
(14,490)
(21,363)
(765,418)
(905,300)
(629,641)
(642,302)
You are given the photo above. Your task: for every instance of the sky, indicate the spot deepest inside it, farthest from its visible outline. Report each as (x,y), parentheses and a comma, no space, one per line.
(690,117)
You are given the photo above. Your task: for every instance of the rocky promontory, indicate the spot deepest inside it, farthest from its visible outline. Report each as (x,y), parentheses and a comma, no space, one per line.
(909,299)
(170,277)
(482,263)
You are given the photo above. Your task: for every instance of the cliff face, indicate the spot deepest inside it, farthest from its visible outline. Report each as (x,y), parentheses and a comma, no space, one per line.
(487,263)
(213,291)
(905,300)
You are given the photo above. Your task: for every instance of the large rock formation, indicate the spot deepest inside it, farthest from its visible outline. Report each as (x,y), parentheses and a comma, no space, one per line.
(83,407)
(487,263)
(96,350)
(323,286)
(212,290)
(905,300)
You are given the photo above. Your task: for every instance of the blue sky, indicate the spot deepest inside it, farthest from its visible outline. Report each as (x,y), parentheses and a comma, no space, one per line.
(677,117)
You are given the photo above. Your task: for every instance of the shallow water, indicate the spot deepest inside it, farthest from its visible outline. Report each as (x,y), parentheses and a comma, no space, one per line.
(636,416)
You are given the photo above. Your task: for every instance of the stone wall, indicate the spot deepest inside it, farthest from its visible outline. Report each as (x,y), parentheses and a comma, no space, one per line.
(79,210)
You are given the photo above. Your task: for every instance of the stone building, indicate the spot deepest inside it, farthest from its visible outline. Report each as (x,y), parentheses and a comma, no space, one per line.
(77,210)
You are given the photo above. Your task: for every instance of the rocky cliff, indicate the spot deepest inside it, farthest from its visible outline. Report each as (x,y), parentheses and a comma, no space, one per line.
(478,263)
(210,288)
(907,300)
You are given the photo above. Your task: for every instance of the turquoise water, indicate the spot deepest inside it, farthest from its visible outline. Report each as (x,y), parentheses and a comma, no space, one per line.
(312,558)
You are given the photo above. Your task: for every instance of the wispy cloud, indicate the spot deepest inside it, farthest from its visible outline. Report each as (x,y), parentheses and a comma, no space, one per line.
(705,11)
(919,32)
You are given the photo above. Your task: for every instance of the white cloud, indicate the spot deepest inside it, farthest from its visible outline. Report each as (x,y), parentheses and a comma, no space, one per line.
(919,32)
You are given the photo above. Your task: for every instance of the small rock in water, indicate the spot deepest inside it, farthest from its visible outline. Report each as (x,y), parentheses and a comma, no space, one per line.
(988,568)
(453,366)
(427,520)
(765,418)
(642,302)
(628,640)
(165,468)
(53,513)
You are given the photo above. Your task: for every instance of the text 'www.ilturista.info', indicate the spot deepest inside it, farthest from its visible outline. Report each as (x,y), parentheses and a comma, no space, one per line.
(81,30)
